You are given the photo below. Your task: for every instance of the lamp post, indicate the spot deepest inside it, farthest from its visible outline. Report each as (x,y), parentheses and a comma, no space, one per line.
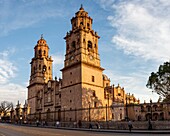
(126,110)
(151,109)
(127,98)
(108,95)
(107,109)
(64,114)
(20,119)
(75,115)
(89,113)
(64,110)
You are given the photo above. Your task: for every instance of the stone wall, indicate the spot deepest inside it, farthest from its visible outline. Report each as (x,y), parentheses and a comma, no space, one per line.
(158,125)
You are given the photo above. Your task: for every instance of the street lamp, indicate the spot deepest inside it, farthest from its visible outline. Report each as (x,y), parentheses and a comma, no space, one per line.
(108,95)
(127,98)
(20,119)
(64,109)
(151,109)
(89,112)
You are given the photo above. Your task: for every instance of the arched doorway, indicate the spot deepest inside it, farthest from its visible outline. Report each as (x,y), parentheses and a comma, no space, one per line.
(148,116)
(161,117)
(155,116)
(155,108)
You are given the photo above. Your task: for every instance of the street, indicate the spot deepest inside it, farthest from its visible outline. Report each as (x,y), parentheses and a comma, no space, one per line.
(14,130)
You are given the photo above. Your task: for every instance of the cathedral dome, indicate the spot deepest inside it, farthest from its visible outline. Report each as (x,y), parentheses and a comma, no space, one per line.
(41,41)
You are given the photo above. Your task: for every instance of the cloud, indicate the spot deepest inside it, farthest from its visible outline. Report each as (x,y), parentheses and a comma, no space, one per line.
(8,90)
(22,14)
(7,68)
(58,63)
(58,59)
(13,92)
(142,28)
(105,4)
(133,83)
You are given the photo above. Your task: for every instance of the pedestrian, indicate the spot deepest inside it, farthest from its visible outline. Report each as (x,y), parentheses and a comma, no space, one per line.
(149,125)
(79,123)
(37,122)
(90,126)
(75,124)
(57,123)
(97,125)
(46,123)
(130,125)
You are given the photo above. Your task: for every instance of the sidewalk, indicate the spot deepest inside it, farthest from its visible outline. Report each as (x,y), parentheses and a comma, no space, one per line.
(107,130)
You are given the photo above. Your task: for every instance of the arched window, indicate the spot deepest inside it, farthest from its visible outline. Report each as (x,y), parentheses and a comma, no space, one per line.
(88,25)
(39,66)
(89,44)
(44,52)
(73,45)
(49,97)
(39,52)
(120,115)
(44,68)
(112,116)
(81,23)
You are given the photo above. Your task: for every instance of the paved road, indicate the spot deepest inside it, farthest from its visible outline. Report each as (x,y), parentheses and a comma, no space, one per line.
(12,130)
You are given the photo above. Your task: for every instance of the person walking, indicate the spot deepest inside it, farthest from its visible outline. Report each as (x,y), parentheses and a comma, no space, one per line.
(97,125)
(90,126)
(37,123)
(149,125)
(79,124)
(130,125)
(57,123)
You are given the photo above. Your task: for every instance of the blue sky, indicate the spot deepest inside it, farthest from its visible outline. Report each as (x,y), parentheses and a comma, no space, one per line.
(134,40)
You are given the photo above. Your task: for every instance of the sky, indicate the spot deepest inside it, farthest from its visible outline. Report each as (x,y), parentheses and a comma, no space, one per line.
(134,40)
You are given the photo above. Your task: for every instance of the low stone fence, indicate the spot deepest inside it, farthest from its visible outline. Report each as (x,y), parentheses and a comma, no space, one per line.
(123,125)
(157,125)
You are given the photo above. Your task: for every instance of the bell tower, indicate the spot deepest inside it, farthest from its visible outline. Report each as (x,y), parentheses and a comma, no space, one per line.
(41,71)
(82,73)
(82,41)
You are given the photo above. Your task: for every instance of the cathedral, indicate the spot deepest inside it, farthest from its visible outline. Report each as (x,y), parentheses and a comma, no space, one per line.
(83,84)
(84,93)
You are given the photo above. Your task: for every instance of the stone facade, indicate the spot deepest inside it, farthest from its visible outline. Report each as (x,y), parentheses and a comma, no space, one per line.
(20,113)
(82,74)
(41,72)
(149,111)
(83,84)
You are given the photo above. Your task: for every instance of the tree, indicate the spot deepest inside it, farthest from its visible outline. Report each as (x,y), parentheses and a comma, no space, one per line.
(5,107)
(159,82)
